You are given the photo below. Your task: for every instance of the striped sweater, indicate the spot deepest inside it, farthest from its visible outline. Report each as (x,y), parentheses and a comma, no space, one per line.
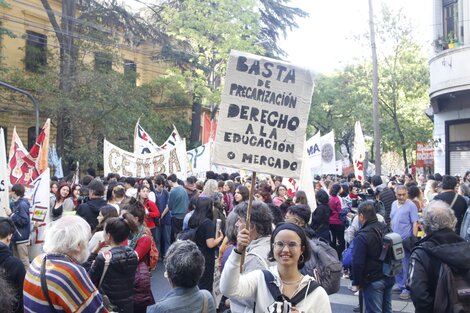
(70,288)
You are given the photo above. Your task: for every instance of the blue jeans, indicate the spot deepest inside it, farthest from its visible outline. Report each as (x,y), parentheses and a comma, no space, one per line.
(401,277)
(378,296)
(163,241)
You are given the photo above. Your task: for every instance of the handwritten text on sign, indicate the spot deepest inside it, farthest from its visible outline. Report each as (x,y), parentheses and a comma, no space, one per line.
(263,115)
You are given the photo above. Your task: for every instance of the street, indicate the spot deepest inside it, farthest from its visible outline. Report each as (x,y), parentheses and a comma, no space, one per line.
(341,302)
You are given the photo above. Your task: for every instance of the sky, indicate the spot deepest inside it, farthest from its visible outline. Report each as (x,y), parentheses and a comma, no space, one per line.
(325,40)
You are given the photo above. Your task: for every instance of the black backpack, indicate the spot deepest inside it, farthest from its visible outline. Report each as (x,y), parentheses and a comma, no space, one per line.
(188,234)
(453,288)
(280,299)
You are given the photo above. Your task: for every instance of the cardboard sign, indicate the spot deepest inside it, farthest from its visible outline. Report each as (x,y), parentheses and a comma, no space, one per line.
(263,115)
(424,154)
(172,161)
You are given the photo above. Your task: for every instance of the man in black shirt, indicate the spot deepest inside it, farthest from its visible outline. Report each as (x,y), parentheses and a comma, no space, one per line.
(457,203)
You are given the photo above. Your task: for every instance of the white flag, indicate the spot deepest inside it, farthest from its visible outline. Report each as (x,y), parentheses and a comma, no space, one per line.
(328,155)
(172,141)
(4,199)
(306,182)
(359,152)
(143,143)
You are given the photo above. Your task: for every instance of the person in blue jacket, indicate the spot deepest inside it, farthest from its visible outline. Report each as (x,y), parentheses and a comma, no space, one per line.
(19,214)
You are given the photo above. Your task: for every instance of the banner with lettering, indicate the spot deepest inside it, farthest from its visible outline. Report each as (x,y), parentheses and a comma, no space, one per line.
(359,152)
(38,195)
(312,146)
(4,195)
(424,154)
(125,163)
(263,115)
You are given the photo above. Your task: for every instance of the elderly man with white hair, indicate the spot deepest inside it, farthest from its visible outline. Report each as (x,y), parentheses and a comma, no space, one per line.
(55,281)
(441,245)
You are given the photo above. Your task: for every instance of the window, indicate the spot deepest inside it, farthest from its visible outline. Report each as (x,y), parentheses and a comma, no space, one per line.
(130,71)
(450,16)
(31,137)
(103,62)
(36,51)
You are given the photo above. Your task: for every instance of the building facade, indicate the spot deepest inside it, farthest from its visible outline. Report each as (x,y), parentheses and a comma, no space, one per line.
(450,86)
(33,43)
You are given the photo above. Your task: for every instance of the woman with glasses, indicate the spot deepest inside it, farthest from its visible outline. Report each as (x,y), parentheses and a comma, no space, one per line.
(296,292)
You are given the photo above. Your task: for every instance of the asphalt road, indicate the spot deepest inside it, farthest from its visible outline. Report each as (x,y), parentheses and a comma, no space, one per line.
(341,302)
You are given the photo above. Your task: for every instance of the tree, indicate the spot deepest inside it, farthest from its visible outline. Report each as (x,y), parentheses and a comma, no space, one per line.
(338,101)
(276,18)
(341,99)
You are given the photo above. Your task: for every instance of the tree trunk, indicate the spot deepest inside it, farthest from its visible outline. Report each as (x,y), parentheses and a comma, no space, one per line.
(68,55)
(402,140)
(195,122)
(375,93)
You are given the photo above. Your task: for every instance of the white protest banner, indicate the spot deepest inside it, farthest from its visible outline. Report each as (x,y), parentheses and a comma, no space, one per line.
(306,182)
(200,159)
(38,195)
(328,155)
(263,115)
(4,176)
(359,152)
(312,146)
(172,161)
(143,143)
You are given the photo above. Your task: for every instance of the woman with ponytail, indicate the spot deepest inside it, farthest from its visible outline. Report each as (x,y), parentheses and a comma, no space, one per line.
(116,282)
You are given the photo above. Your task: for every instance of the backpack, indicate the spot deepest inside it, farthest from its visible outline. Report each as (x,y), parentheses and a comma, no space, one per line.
(324,266)
(465,228)
(392,252)
(284,304)
(187,234)
(152,256)
(453,288)
(343,216)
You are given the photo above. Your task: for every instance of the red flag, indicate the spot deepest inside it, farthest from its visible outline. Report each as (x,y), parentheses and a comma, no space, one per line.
(209,129)
(25,167)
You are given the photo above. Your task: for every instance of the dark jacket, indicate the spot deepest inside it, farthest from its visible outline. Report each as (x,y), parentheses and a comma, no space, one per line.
(459,207)
(20,216)
(118,283)
(321,217)
(387,196)
(366,266)
(14,272)
(90,210)
(425,264)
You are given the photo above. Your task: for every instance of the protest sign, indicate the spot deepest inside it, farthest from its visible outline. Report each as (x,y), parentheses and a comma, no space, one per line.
(4,195)
(171,161)
(38,195)
(424,154)
(312,147)
(263,115)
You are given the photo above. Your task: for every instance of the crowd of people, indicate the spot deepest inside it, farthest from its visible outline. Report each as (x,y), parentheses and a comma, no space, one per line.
(104,233)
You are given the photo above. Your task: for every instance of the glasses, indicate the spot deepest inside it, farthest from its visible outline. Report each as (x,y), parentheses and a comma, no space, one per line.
(292,245)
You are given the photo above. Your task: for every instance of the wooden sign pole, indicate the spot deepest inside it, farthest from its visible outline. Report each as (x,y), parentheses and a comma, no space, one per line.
(248,216)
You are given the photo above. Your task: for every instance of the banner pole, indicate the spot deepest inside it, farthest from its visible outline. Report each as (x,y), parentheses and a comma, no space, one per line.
(248,216)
